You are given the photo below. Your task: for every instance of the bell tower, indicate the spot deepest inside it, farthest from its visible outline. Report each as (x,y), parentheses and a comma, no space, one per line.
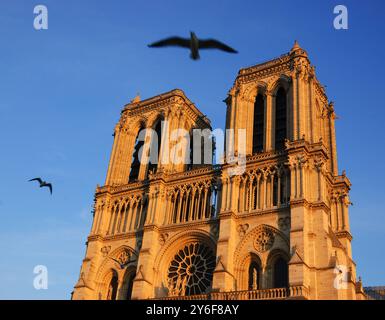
(291,184)
(151,142)
(151,129)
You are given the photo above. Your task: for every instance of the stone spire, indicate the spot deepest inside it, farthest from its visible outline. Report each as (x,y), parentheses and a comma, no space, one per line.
(297,50)
(296,46)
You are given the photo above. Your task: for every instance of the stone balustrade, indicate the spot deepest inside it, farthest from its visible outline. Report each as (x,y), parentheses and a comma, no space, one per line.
(299,292)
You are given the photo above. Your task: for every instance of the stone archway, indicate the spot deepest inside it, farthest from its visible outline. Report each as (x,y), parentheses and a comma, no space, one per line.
(185,265)
(125,291)
(257,245)
(115,266)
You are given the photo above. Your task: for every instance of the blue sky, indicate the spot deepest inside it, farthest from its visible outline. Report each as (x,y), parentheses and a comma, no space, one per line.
(62,89)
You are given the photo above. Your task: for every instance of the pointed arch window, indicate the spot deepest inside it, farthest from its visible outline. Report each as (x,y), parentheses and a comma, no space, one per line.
(281,273)
(155,147)
(275,190)
(135,162)
(113,287)
(280,118)
(258,123)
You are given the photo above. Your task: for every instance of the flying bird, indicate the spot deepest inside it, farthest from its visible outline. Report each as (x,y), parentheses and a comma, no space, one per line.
(192,43)
(43,183)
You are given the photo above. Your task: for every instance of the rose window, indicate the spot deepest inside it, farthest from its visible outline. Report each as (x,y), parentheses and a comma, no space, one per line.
(191,270)
(264,240)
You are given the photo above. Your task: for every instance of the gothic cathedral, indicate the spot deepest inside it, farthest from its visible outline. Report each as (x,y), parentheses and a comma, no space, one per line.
(182,230)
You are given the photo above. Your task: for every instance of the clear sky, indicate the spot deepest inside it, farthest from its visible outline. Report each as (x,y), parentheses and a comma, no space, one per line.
(62,89)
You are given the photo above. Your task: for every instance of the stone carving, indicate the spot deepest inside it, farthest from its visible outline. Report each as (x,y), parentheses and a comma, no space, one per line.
(264,240)
(318,164)
(124,257)
(242,228)
(105,250)
(163,238)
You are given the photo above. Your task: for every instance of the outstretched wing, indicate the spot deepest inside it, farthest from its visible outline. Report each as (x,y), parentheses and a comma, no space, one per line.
(36,179)
(215,44)
(49,186)
(172,41)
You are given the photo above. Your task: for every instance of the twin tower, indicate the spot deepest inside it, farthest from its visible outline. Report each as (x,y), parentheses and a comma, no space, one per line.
(172,228)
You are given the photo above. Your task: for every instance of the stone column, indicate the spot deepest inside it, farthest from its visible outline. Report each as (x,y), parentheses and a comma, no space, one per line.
(279,200)
(264,202)
(112,164)
(293,180)
(259,193)
(312,108)
(192,205)
(271,202)
(104,221)
(295,108)
(228,193)
(345,211)
(95,218)
(235,193)
(251,194)
(332,135)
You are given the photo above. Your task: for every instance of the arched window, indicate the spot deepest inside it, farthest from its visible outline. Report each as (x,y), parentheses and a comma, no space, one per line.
(175,200)
(284,189)
(119,227)
(275,190)
(280,119)
(188,204)
(255,194)
(254,276)
(155,147)
(258,123)
(112,288)
(281,273)
(201,148)
(135,162)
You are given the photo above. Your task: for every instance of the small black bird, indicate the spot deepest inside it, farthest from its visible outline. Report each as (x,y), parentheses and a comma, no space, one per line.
(43,183)
(194,44)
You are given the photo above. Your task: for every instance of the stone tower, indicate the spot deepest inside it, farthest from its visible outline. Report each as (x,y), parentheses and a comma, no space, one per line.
(169,228)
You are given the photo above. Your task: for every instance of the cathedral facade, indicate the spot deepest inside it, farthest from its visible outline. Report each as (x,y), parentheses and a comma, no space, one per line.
(278,229)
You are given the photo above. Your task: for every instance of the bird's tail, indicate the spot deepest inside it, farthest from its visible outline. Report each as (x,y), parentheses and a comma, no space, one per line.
(195,57)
